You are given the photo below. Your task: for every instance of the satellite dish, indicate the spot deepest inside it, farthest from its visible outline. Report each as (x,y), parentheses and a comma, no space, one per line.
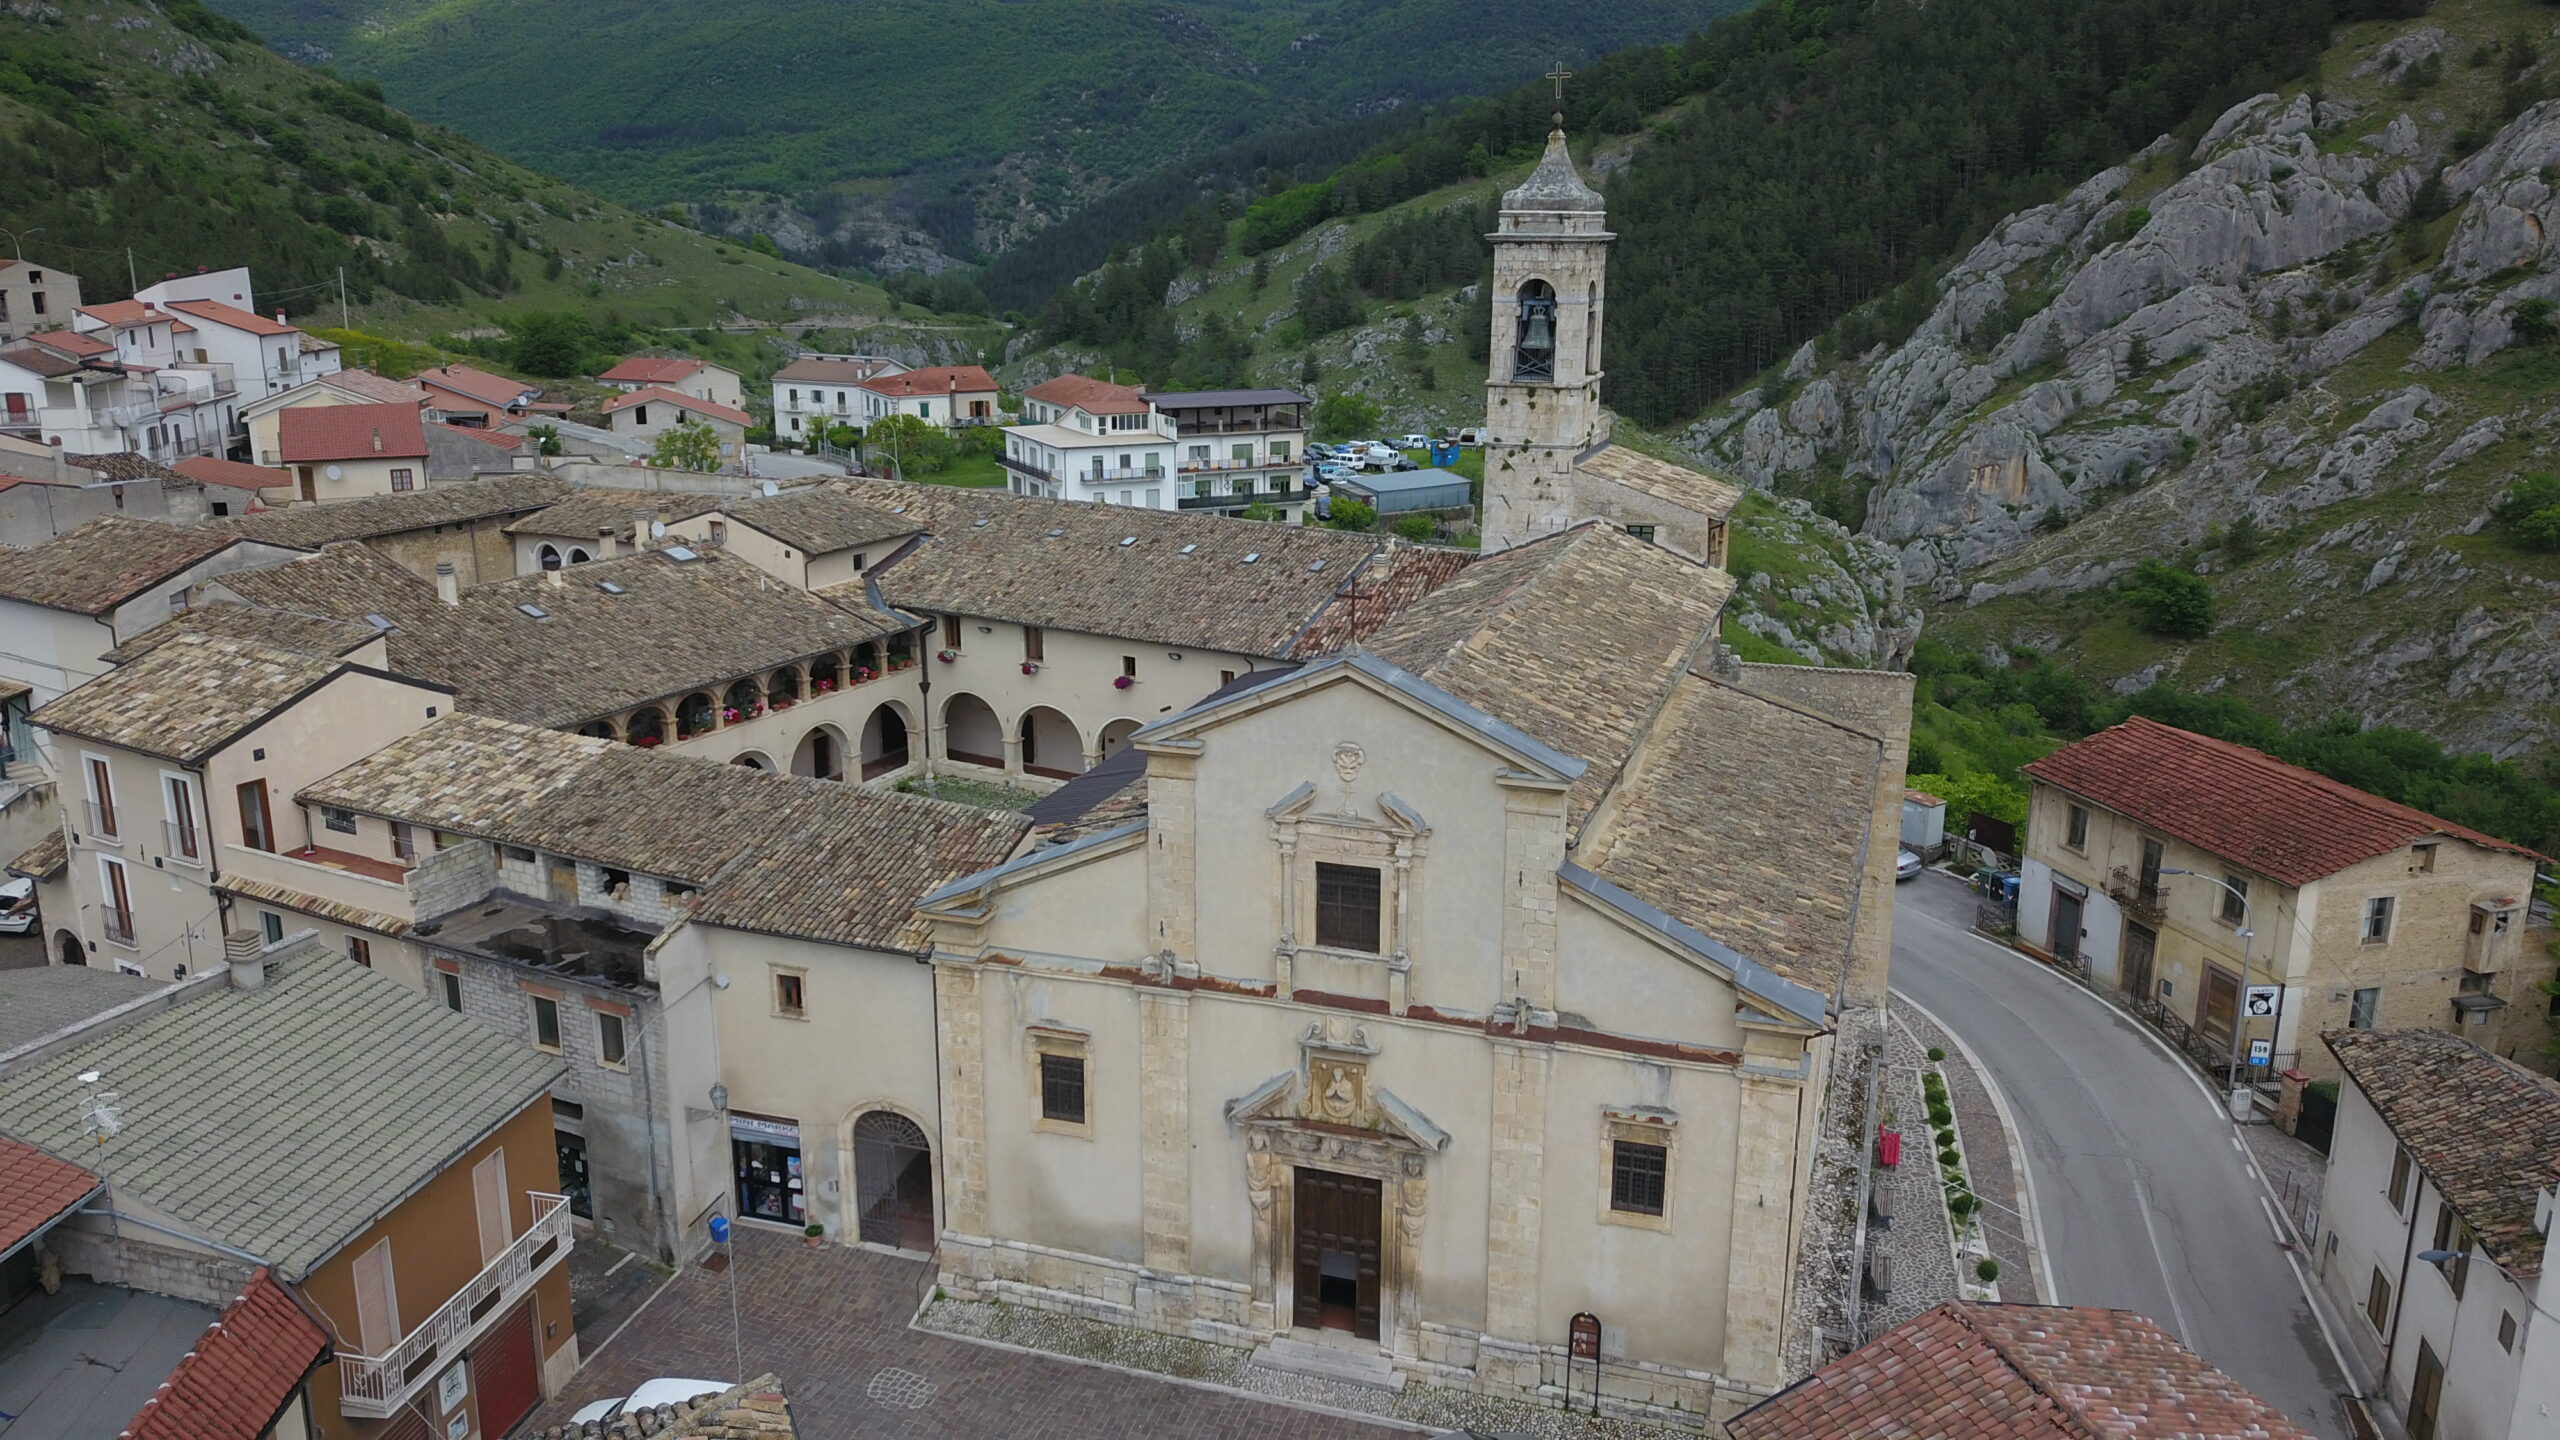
(657,529)
(772,489)
(337,474)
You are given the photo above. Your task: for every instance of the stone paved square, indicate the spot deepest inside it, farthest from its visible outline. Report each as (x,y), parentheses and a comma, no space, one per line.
(832,1322)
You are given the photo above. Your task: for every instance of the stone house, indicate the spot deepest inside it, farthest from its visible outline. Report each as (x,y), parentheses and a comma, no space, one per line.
(66,602)
(2180,869)
(459,523)
(2435,1218)
(35,297)
(648,413)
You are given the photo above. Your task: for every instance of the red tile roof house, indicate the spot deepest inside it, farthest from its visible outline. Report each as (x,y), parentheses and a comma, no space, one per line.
(2197,878)
(460,395)
(650,411)
(341,452)
(684,374)
(944,396)
(2017,1372)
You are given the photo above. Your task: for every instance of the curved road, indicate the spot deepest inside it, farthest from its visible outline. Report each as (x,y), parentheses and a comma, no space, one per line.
(2144,1198)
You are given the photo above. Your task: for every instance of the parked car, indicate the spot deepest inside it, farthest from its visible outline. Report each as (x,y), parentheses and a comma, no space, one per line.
(1471,436)
(649,1396)
(1906,865)
(1417,442)
(17,906)
(1318,450)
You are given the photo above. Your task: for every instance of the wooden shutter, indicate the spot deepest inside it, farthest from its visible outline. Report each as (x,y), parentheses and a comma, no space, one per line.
(257,823)
(489,1197)
(102,789)
(377,1300)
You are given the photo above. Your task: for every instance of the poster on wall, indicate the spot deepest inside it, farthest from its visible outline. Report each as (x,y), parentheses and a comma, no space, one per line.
(453,1387)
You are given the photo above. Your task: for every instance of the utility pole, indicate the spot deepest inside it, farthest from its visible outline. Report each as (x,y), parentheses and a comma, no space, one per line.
(132,277)
(343,322)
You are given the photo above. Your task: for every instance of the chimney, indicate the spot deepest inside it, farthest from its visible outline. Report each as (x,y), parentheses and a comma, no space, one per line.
(640,520)
(279,317)
(377,439)
(245,953)
(448,584)
(604,542)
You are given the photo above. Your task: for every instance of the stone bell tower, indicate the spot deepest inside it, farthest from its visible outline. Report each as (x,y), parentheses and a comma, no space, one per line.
(1542,386)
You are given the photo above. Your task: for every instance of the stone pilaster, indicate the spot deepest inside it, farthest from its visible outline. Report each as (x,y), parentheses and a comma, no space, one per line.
(1164,1110)
(1173,854)
(1533,846)
(1764,1205)
(958,1010)
(1516,1185)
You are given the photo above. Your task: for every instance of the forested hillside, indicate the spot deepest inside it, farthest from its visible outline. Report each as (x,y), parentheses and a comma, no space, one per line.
(172,133)
(971,123)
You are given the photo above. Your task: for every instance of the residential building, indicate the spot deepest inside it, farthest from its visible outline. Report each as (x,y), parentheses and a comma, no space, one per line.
(342,452)
(2434,1221)
(82,394)
(1086,439)
(267,356)
(233,487)
(460,395)
(651,411)
(1238,448)
(686,375)
(462,452)
(46,491)
(826,389)
(2021,1372)
(65,603)
(812,536)
(346,387)
(168,802)
(947,397)
(387,1162)
(461,523)
(34,297)
(598,523)
(2180,870)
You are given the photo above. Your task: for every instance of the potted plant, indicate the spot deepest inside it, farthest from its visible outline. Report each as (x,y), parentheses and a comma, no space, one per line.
(946,656)
(783,704)
(1122,682)
(825,685)
(816,1235)
(645,741)
(862,673)
(1030,667)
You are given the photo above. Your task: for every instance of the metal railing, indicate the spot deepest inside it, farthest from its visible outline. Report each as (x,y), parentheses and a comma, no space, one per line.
(2144,897)
(1239,427)
(1275,462)
(375,1386)
(102,821)
(182,843)
(118,923)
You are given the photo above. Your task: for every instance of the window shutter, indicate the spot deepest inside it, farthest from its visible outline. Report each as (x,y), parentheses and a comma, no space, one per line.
(377,1300)
(489,1195)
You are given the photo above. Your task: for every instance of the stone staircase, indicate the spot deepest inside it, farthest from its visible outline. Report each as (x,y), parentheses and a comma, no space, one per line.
(1327,1362)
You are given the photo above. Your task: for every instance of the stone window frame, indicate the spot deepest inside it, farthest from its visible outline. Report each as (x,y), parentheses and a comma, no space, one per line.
(620,1015)
(1067,1042)
(799,976)
(1340,840)
(1640,1125)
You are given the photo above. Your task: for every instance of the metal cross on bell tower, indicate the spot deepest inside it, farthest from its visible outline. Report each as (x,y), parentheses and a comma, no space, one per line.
(1559,75)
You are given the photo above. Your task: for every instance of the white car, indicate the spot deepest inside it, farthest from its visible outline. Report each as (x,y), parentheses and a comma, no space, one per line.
(17,906)
(649,1396)
(1906,865)
(1417,442)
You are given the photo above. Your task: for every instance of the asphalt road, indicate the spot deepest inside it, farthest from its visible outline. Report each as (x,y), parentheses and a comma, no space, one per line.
(2143,1196)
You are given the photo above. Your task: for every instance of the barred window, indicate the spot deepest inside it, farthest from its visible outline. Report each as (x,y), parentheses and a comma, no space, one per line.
(1347,907)
(1636,1176)
(1062,1088)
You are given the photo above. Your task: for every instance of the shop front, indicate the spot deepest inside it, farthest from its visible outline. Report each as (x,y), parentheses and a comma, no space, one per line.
(765,1158)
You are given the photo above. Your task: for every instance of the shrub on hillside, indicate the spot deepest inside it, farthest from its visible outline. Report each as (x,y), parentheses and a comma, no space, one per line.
(2169,601)
(2532,511)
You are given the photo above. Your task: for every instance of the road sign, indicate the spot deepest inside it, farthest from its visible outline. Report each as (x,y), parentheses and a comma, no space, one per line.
(2261,1051)
(2262,1001)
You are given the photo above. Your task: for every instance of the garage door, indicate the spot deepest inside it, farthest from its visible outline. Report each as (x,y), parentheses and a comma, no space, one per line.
(505,1376)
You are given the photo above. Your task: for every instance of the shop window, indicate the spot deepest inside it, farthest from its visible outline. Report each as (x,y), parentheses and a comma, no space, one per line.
(765,1160)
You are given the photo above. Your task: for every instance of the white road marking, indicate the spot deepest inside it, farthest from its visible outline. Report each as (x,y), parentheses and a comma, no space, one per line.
(2274,1226)
(2034,1215)
(2177,1309)
(2320,1317)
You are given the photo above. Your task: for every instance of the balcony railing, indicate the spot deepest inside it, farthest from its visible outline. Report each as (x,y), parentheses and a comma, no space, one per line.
(2144,898)
(102,821)
(1278,423)
(182,843)
(1271,462)
(118,923)
(374,1387)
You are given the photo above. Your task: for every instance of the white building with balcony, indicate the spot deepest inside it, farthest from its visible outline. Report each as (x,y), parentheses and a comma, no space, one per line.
(816,391)
(1087,439)
(1239,448)
(947,397)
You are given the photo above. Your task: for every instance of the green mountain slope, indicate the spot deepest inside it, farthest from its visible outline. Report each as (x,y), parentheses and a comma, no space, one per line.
(174,134)
(977,118)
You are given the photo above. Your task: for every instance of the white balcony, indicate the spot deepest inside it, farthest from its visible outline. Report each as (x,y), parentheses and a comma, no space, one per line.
(375,1387)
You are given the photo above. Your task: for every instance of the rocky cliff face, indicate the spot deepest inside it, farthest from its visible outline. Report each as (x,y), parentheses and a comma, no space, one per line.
(2302,353)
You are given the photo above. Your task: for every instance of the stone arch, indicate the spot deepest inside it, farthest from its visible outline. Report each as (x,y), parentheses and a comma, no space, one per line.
(820,755)
(647,727)
(1115,736)
(1533,335)
(783,688)
(578,555)
(68,948)
(745,701)
(696,714)
(893,1194)
(751,759)
(888,740)
(548,556)
(604,729)
(1051,746)
(971,734)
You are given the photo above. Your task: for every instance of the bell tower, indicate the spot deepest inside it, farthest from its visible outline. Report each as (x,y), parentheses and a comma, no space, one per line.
(1542,388)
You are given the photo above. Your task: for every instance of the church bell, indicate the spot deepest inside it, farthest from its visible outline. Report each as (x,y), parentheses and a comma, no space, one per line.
(1541,334)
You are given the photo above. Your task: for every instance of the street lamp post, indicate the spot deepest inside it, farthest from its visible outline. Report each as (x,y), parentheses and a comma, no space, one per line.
(2240,1098)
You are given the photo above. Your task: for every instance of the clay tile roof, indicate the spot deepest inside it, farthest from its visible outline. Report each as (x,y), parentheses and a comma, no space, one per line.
(36,1190)
(1555,184)
(820,519)
(126,465)
(831,372)
(477,385)
(44,859)
(652,370)
(2018,1372)
(233,316)
(2282,821)
(98,566)
(2485,1130)
(232,473)
(1692,489)
(312,433)
(939,380)
(649,393)
(72,342)
(35,360)
(447,502)
(1098,397)
(497,438)
(245,1367)
(120,312)
(584,511)
(185,699)
(290,630)
(375,387)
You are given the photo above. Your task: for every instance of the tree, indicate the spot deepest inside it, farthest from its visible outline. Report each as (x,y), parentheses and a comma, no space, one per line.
(1341,417)
(1349,514)
(2532,511)
(689,446)
(2169,601)
(907,445)
(551,343)
(546,439)
(1416,528)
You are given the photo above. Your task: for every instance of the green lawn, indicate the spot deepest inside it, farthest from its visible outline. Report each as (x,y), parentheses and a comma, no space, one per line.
(975,472)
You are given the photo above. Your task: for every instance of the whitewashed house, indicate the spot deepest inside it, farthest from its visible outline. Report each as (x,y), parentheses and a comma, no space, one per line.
(1085,439)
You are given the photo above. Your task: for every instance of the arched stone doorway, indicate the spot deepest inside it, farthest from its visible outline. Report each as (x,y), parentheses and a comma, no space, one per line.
(970,733)
(1116,735)
(885,747)
(821,754)
(68,946)
(892,1181)
(1050,745)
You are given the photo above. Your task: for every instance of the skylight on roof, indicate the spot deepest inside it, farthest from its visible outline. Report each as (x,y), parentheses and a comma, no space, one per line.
(608,587)
(1187,549)
(681,553)
(377,622)
(978,524)
(536,611)
(1316,566)
(1256,555)
(1128,539)
(1054,534)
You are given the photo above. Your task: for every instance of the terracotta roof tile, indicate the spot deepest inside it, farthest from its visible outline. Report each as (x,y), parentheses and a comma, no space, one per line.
(374,387)
(939,380)
(583,511)
(446,502)
(36,1190)
(2018,1372)
(1097,397)
(248,1363)
(235,317)
(2486,1130)
(310,433)
(825,371)
(232,473)
(649,394)
(325,636)
(98,566)
(2280,820)
(821,519)
(1661,479)
(186,698)
(72,342)
(478,385)
(652,370)
(44,859)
